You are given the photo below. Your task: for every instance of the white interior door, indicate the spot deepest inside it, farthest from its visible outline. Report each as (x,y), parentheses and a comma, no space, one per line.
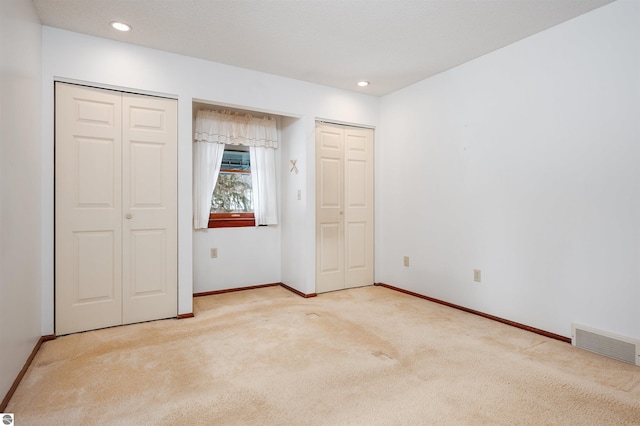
(116,208)
(358,201)
(344,207)
(88,223)
(149,202)
(329,208)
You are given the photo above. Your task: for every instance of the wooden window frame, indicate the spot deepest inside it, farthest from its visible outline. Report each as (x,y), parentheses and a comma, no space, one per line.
(231,220)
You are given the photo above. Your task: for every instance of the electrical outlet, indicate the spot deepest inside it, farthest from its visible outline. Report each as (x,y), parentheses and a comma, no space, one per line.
(477,275)
(406,261)
(214,253)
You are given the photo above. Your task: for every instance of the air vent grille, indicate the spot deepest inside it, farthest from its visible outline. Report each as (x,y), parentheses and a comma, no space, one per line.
(607,344)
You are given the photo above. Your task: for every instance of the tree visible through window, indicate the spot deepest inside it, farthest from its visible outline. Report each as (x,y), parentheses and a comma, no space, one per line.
(232,193)
(232,199)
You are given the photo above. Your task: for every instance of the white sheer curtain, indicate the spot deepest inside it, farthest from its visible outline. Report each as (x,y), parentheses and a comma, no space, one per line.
(213,130)
(207,158)
(263,160)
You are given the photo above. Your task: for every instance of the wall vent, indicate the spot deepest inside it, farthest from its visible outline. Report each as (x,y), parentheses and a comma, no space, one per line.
(605,343)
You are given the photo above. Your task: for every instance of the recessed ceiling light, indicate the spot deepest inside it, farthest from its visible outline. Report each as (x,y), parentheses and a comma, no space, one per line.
(121,26)
(363,83)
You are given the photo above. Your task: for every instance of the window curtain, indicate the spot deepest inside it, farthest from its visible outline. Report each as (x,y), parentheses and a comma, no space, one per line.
(263,162)
(214,130)
(207,158)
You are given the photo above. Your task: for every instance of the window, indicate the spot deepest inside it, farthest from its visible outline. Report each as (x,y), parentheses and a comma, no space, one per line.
(216,133)
(232,198)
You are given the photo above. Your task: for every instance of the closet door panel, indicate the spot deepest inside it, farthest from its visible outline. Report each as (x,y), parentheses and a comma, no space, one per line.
(358,216)
(329,209)
(94,258)
(149,208)
(147,250)
(344,207)
(116,208)
(356,236)
(88,203)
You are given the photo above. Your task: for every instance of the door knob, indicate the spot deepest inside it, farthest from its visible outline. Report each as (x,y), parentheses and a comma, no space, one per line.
(128,216)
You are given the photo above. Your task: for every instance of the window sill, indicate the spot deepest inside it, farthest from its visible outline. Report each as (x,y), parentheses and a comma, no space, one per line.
(231,220)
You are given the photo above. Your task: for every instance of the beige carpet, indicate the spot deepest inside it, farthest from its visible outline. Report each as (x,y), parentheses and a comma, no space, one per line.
(368,356)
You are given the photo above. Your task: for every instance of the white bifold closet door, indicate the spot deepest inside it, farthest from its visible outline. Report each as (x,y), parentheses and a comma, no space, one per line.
(115,208)
(344,207)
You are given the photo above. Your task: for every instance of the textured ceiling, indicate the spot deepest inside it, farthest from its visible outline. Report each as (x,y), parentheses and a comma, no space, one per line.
(392,43)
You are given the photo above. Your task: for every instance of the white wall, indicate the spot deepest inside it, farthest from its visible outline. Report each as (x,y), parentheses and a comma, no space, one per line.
(523,163)
(298,215)
(246,256)
(20,186)
(73,56)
